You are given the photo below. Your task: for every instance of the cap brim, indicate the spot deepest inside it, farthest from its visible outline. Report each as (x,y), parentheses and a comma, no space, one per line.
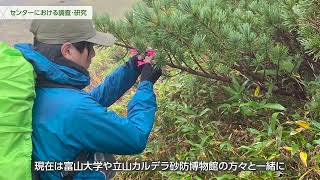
(103,39)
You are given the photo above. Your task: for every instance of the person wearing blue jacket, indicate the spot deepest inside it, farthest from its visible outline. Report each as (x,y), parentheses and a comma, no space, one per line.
(68,121)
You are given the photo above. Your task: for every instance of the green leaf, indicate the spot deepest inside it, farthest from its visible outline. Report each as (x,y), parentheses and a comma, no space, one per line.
(229,90)
(245,174)
(235,83)
(274,120)
(181,119)
(316,141)
(250,104)
(198,146)
(227,177)
(224,106)
(253,131)
(268,72)
(205,111)
(316,124)
(274,106)
(295,149)
(287,65)
(226,146)
(248,111)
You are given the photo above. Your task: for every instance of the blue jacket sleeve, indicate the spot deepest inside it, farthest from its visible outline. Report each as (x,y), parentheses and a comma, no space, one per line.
(98,130)
(115,85)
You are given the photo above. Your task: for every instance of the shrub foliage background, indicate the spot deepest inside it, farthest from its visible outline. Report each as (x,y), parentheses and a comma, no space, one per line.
(242,82)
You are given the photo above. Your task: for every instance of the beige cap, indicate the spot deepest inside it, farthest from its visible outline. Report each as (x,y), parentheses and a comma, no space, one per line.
(59,31)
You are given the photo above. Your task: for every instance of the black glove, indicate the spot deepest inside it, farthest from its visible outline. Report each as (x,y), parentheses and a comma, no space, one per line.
(133,63)
(150,73)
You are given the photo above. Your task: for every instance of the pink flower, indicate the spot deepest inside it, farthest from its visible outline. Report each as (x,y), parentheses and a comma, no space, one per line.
(133,51)
(141,63)
(147,59)
(151,52)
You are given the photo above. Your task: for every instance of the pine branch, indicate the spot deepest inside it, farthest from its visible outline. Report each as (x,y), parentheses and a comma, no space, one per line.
(188,69)
(187,66)
(189,46)
(209,29)
(124,45)
(198,64)
(199,73)
(242,68)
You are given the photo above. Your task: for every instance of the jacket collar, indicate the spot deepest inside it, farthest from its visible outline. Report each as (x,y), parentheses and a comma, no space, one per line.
(61,71)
